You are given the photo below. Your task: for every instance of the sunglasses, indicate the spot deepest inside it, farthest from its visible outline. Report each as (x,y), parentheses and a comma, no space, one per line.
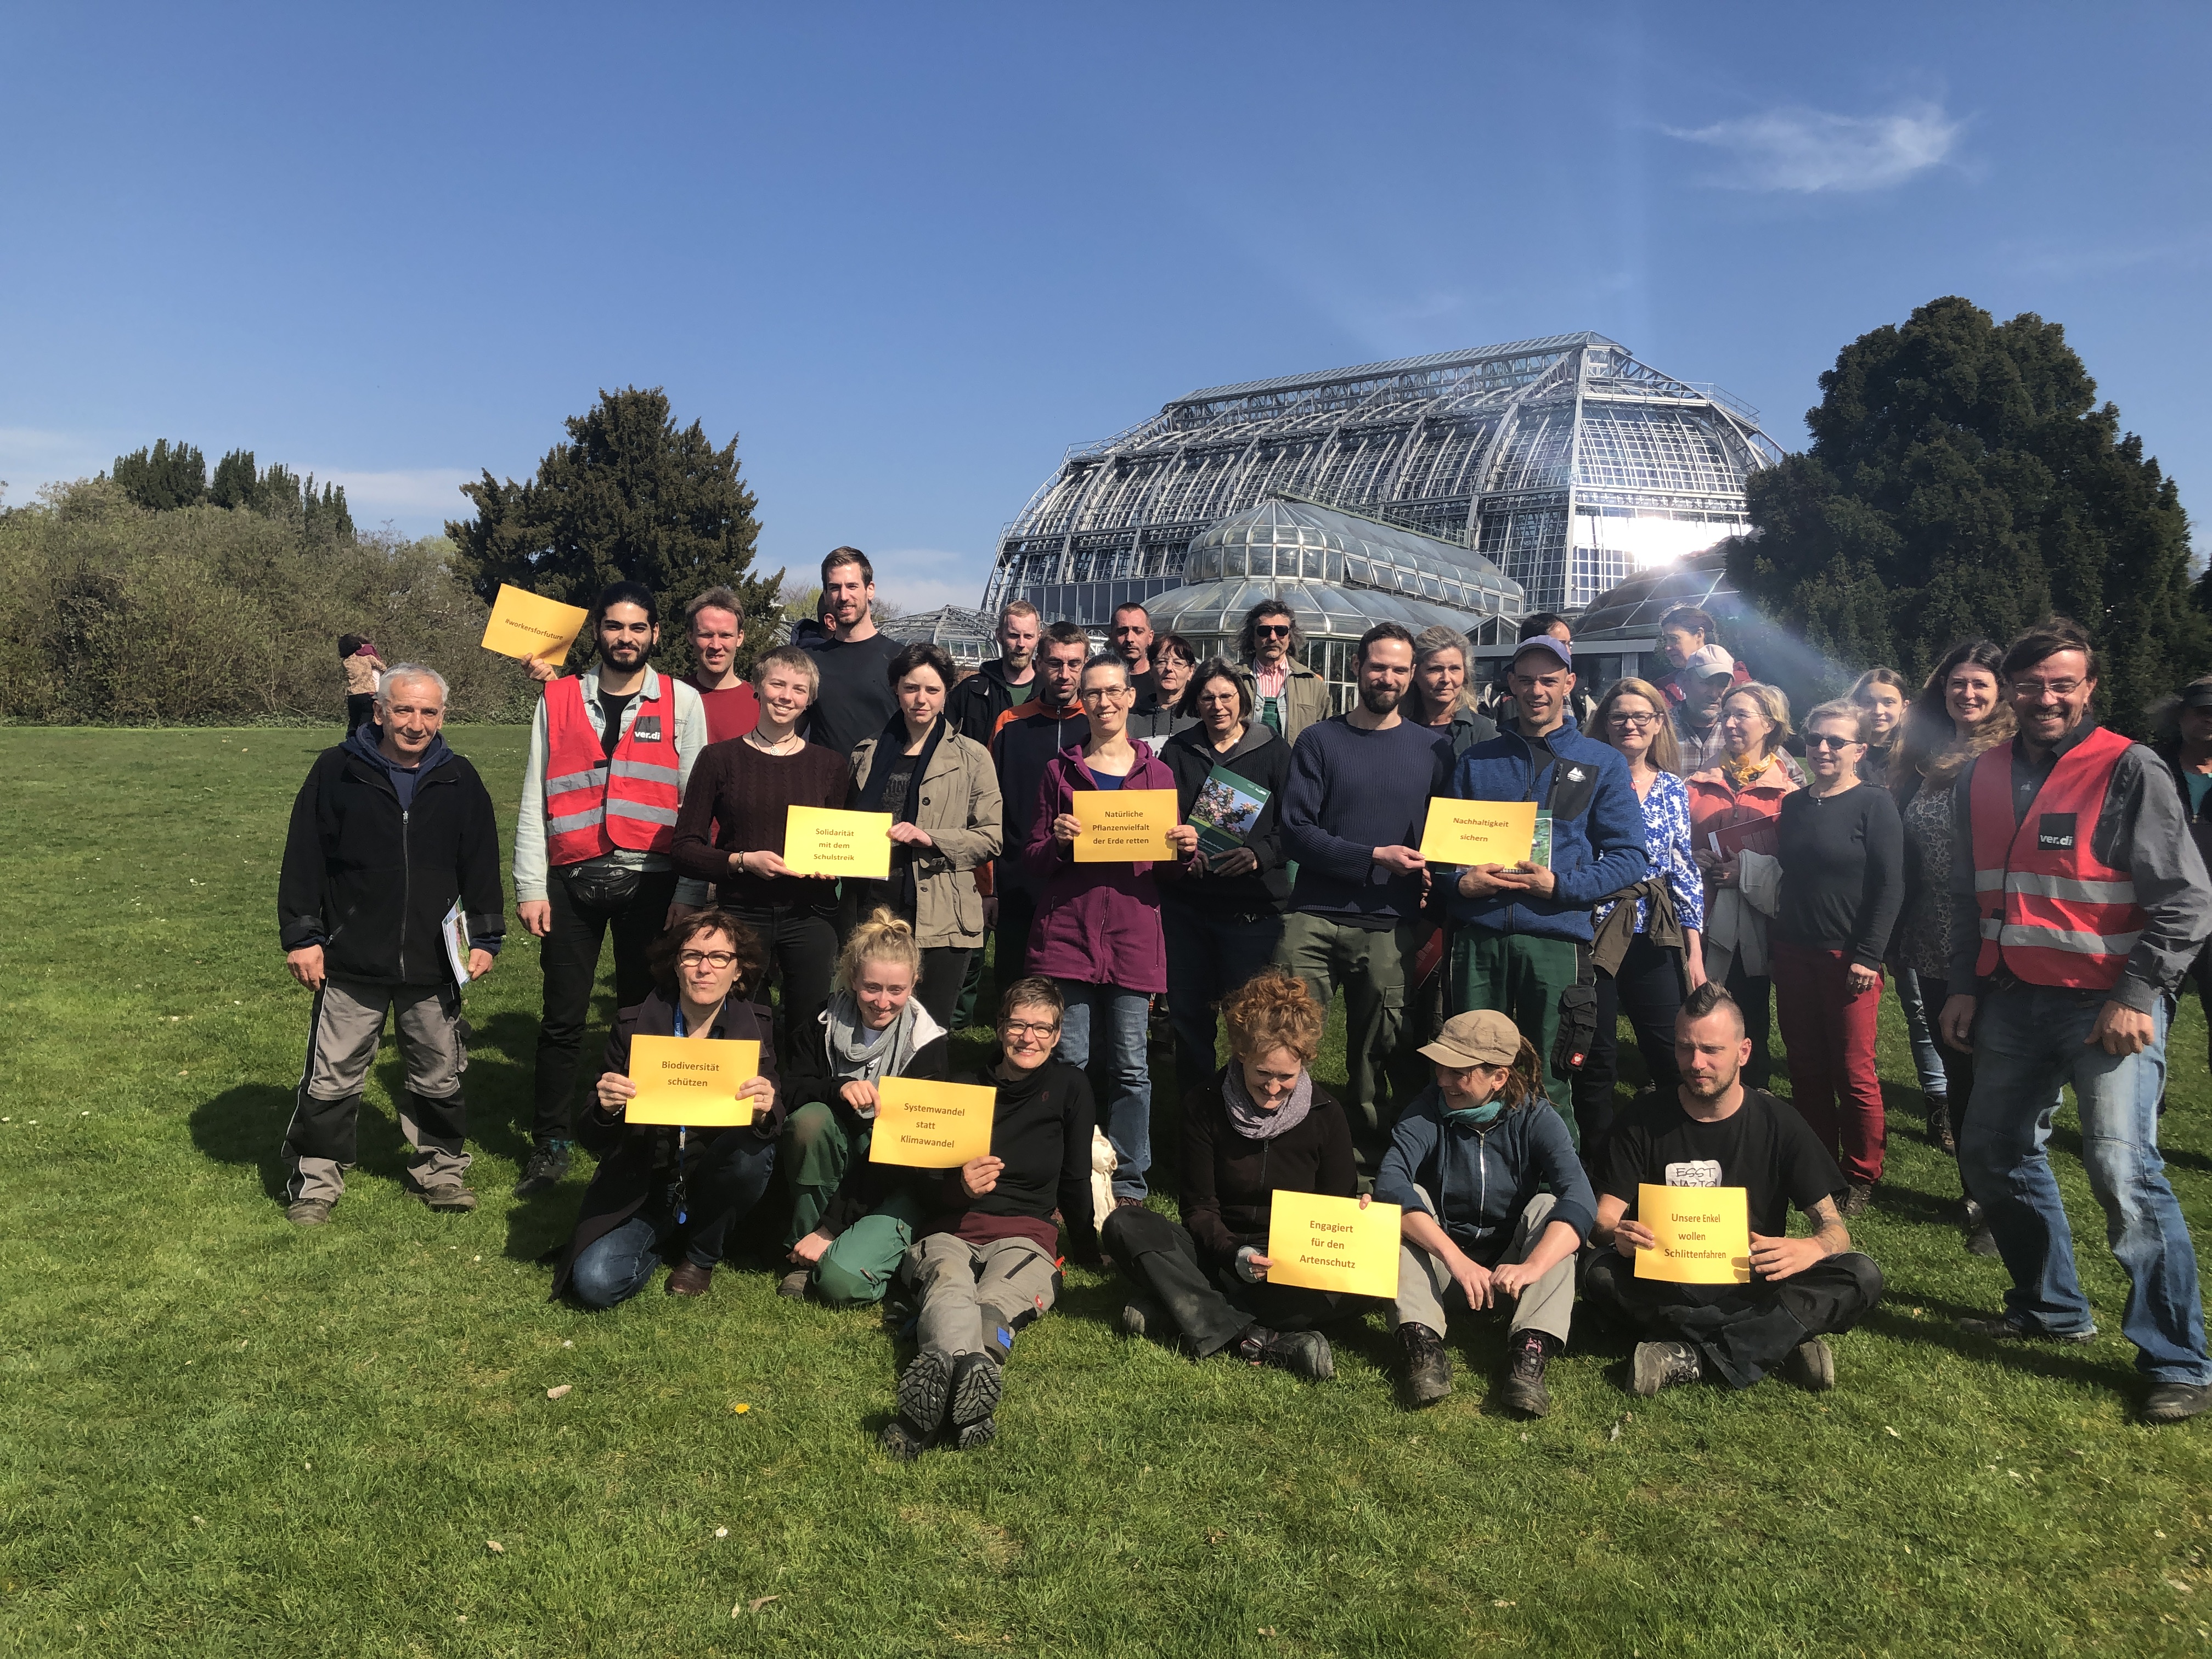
(1822,740)
(1271,632)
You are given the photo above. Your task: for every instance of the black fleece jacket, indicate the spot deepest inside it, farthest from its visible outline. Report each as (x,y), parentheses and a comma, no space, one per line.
(1261,757)
(1041,1127)
(371,884)
(1229,1180)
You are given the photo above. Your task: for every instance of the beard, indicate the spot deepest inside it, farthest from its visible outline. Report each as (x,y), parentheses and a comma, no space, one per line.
(1711,1090)
(1379,699)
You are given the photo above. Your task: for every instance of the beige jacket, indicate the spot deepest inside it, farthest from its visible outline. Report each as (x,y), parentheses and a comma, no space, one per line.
(1305,696)
(959,809)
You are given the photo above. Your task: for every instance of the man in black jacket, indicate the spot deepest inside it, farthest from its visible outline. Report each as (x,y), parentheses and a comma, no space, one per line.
(1007,681)
(392,850)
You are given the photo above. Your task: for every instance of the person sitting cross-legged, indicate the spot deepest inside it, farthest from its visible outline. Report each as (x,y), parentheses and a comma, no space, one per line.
(664,1192)
(1465,1164)
(1714,1132)
(983,1265)
(1259,1125)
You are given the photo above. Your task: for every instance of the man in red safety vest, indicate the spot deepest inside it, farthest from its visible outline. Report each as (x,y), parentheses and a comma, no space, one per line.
(611,750)
(2082,903)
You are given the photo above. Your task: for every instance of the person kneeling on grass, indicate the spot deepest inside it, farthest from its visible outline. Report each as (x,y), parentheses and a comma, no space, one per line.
(664,1192)
(1465,1164)
(851,1220)
(1258,1125)
(983,1266)
(1713,1132)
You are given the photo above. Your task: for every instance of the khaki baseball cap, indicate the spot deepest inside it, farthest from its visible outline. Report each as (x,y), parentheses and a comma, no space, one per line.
(1484,1037)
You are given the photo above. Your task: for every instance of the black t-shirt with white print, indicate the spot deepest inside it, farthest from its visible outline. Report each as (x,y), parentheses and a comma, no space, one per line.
(1763,1146)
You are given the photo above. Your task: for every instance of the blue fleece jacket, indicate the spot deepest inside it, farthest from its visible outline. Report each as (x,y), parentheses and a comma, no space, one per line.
(1597,828)
(1478,1181)
(1351,791)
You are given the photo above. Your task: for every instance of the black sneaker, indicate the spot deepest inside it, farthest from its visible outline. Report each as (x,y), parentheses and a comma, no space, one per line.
(795,1282)
(1662,1365)
(1812,1365)
(1523,1388)
(1302,1353)
(2173,1402)
(1142,1316)
(903,1442)
(1428,1375)
(2010,1328)
(547,1165)
(976,1386)
(925,1388)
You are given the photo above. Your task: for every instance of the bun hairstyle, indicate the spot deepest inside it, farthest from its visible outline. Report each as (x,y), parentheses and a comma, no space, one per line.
(882,938)
(1271,1011)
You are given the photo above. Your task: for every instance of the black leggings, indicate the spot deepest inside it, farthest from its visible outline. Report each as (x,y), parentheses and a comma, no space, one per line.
(944,971)
(1648,987)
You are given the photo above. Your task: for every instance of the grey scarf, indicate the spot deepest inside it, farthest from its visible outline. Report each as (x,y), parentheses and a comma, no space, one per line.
(853,1058)
(1245,1115)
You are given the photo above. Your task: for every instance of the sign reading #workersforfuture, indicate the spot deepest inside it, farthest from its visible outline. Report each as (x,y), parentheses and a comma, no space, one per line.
(1124,826)
(522,625)
(827,841)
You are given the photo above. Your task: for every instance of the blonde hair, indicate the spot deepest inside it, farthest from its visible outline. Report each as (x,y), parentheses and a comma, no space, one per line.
(1665,753)
(1271,1011)
(1853,714)
(882,938)
(1773,702)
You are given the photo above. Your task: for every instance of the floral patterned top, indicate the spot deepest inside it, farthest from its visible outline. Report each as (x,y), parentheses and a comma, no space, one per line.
(1924,930)
(1666,843)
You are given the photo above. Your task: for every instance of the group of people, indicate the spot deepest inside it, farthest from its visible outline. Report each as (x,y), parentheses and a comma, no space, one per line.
(1694,871)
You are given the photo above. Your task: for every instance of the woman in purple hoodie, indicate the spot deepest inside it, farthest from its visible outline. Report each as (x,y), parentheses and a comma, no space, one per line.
(1098,930)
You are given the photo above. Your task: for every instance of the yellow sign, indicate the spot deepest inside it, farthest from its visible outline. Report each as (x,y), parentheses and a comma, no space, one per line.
(1122,826)
(524,625)
(1331,1245)
(931,1125)
(1704,1234)
(1479,831)
(693,1081)
(822,841)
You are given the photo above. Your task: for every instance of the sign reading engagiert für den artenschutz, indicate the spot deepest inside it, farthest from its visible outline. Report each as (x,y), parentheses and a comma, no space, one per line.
(1124,826)
(1326,1244)
(693,1081)
(826,840)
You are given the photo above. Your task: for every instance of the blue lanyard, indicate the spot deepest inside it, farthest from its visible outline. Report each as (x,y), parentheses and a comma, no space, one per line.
(682,1134)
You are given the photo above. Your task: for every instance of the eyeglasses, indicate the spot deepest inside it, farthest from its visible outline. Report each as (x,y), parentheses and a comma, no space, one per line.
(2046,688)
(1827,740)
(1100,693)
(1027,1031)
(714,959)
(1271,631)
(1639,721)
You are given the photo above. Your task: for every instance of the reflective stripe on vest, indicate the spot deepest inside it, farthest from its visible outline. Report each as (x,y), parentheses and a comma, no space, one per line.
(2050,913)
(594,805)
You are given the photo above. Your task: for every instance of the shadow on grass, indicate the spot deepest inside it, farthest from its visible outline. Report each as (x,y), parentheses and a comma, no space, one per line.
(2062,1361)
(245,1126)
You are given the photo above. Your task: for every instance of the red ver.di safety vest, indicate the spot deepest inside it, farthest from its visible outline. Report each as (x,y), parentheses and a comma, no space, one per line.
(2049,912)
(593,805)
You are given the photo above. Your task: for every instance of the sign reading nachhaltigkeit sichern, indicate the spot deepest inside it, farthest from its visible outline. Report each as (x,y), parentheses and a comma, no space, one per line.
(1121,826)
(1704,1235)
(693,1081)
(825,841)
(1328,1244)
(931,1125)
(1471,832)
(524,625)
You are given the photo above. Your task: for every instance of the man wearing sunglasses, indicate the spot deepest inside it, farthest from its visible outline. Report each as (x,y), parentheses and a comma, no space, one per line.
(2082,903)
(1287,696)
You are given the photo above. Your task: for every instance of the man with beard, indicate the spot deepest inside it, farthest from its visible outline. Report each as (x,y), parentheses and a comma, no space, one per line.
(1351,813)
(855,699)
(610,751)
(1131,634)
(1287,696)
(718,633)
(1008,681)
(1713,1132)
(1029,735)
(1521,933)
(390,830)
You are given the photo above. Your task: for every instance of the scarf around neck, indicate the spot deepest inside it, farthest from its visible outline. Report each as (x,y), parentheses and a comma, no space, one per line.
(890,748)
(853,1058)
(1245,1115)
(1743,774)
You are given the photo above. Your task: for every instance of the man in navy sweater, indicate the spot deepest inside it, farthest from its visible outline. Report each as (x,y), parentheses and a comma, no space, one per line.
(1351,816)
(1520,929)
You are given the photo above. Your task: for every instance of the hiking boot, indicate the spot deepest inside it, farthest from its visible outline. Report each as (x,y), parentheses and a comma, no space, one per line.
(1811,1365)
(2010,1328)
(1302,1353)
(1523,1388)
(308,1211)
(1941,1133)
(451,1198)
(1857,1194)
(925,1388)
(2173,1402)
(1428,1375)
(982,1432)
(548,1164)
(795,1282)
(902,1441)
(1662,1365)
(688,1277)
(977,1381)
(1142,1316)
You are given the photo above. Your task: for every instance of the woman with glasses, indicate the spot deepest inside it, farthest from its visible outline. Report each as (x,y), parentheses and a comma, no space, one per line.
(983,1265)
(851,1220)
(1257,1126)
(942,791)
(667,1193)
(1728,802)
(1175,660)
(1843,879)
(1664,957)
(1097,934)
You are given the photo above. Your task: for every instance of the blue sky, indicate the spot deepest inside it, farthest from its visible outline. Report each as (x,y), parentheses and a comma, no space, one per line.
(909,254)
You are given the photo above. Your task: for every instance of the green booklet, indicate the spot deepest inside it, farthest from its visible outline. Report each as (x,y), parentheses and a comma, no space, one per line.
(1227,808)
(1540,850)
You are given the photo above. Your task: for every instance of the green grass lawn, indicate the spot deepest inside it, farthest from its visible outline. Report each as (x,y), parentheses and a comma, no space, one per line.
(225,1434)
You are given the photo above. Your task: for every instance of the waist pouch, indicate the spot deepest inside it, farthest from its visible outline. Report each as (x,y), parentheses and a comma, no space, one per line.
(601,887)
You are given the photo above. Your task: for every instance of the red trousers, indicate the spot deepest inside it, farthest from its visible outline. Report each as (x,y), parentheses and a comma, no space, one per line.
(1830,1034)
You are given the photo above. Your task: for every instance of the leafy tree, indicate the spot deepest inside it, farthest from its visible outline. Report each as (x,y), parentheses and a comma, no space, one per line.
(1963,480)
(163,477)
(631,497)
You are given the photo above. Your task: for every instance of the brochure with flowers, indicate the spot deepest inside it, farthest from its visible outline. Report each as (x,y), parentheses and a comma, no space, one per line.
(1227,810)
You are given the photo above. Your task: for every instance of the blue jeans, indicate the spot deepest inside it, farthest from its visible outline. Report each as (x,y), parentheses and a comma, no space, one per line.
(617,1265)
(1927,1053)
(1209,955)
(2028,1045)
(1127,1096)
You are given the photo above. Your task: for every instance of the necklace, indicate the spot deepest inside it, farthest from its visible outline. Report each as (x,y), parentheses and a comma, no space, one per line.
(781,746)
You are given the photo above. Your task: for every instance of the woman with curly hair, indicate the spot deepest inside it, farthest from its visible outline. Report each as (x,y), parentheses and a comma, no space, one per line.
(1260,1126)
(664,1192)
(1496,1205)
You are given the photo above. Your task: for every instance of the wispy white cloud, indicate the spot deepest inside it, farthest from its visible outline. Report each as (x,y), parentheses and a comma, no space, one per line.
(924,578)
(1809,150)
(425,493)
